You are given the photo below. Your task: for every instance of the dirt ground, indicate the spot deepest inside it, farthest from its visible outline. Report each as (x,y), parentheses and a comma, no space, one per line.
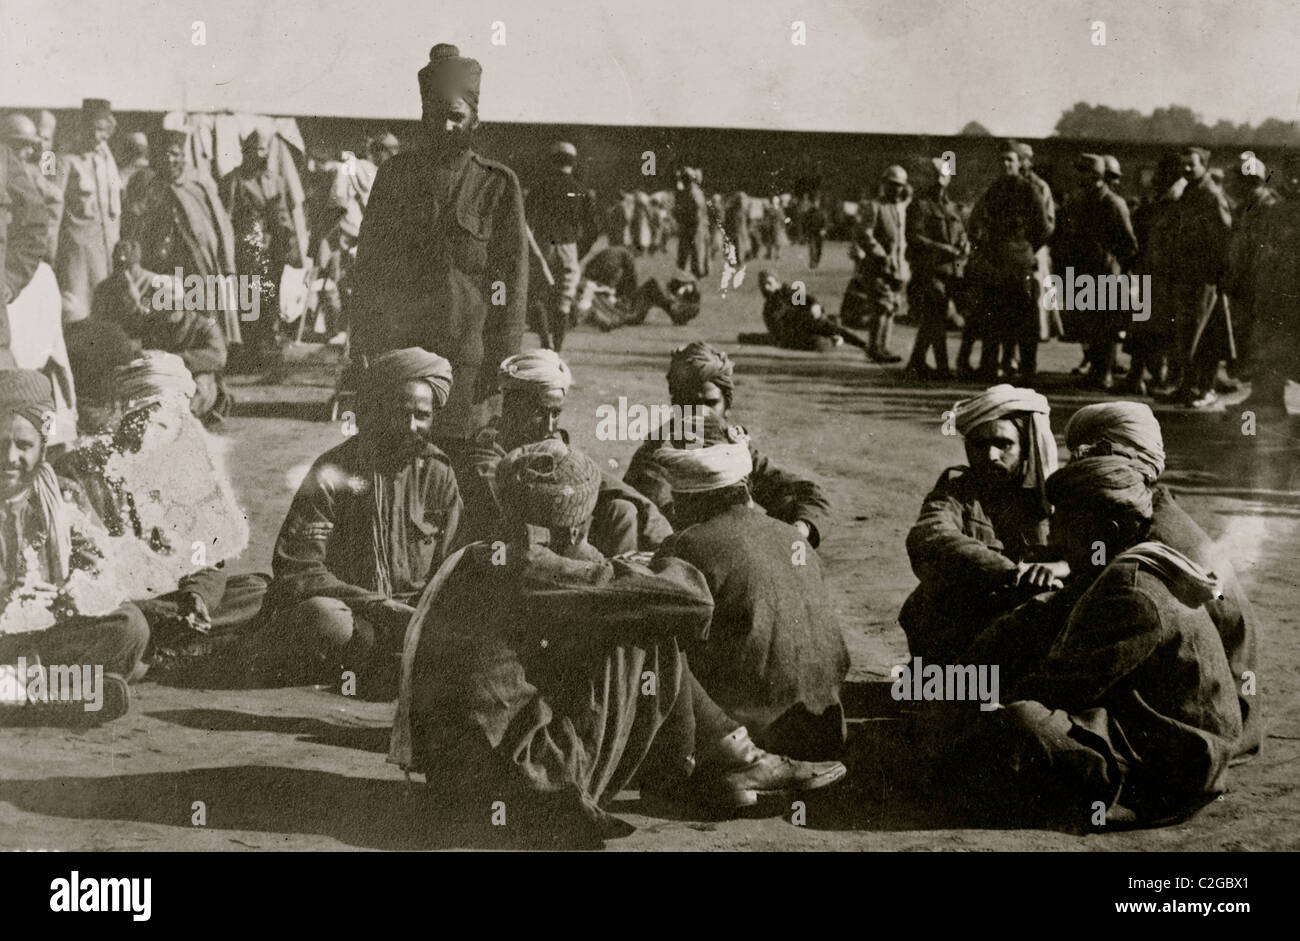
(304,768)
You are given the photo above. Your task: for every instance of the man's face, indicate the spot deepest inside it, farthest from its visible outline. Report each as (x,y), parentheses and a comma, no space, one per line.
(993,451)
(1073,534)
(1011,163)
(255,155)
(21,451)
(23,150)
(99,132)
(449,118)
(709,397)
(175,160)
(530,416)
(1193,168)
(770,284)
(405,425)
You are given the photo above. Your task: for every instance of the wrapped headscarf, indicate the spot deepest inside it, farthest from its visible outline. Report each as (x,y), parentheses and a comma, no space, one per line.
(548,484)
(1110,483)
(535,370)
(696,470)
(27,393)
(155,376)
(452,74)
(1126,429)
(695,364)
(1007,401)
(397,367)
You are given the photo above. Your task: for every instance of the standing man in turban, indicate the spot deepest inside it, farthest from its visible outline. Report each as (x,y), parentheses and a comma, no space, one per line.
(92,209)
(1130,430)
(774,658)
(533,390)
(528,669)
(1134,707)
(700,376)
(442,261)
(979,546)
(874,295)
(51,559)
(369,525)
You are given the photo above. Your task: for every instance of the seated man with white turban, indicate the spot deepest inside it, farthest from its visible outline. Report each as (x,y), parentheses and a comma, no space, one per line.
(979,546)
(60,608)
(367,528)
(533,390)
(701,376)
(1130,430)
(774,657)
(1134,709)
(543,679)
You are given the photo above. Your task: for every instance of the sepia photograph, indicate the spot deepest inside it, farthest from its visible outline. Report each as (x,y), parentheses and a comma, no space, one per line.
(768,426)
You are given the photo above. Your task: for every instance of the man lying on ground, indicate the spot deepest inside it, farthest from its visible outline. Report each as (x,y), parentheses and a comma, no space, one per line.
(796,320)
(546,677)
(369,525)
(611,293)
(701,376)
(979,546)
(59,604)
(774,657)
(1130,430)
(533,389)
(1134,711)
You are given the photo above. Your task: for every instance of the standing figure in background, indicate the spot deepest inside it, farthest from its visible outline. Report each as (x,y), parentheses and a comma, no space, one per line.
(874,294)
(92,209)
(814,227)
(937,248)
(691,213)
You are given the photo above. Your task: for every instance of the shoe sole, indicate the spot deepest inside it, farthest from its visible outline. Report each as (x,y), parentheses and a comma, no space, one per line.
(750,797)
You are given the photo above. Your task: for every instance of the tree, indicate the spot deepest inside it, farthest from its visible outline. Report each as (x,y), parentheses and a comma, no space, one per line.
(975,129)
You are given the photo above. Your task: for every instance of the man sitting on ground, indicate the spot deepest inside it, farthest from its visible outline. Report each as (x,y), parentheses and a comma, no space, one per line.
(52,562)
(774,657)
(700,376)
(611,293)
(979,546)
(1130,430)
(796,320)
(533,387)
(528,670)
(369,525)
(1135,709)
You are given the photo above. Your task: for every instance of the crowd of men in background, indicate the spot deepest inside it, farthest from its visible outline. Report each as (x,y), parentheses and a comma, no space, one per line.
(552,634)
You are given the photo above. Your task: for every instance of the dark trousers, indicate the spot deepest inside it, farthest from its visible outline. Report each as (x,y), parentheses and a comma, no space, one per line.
(116,641)
(815,243)
(928,296)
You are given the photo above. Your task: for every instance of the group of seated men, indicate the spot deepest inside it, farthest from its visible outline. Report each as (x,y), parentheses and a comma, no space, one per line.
(552,634)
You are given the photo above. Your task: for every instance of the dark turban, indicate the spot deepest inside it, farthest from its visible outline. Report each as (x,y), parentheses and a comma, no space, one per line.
(1108,484)
(27,393)
(393,369)
(451,74)
(548,484)
(695,364)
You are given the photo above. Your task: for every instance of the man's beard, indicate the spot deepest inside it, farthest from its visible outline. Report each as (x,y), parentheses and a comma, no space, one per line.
(443,141)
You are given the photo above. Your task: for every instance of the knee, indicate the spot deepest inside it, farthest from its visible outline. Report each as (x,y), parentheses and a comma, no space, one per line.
(614,527)
(130,632)
(325,622)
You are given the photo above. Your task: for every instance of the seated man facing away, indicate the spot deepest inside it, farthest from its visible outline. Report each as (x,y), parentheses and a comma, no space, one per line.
(546,678)
(796,320)
(979,546)
(52,566)
(369,525)
(533,387)
(701,376)
(127,298)
(774,657)
(611,293)
(1134,709)
(1130,430)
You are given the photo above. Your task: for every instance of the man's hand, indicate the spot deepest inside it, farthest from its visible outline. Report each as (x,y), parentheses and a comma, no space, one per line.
(803,529)
(1040,575)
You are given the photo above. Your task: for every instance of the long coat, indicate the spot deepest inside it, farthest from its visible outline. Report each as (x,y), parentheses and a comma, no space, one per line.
(442,263)
(92,221)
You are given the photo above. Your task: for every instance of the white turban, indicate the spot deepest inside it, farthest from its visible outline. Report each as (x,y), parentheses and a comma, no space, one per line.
(536,369)
(696,470)
(1007,401)
(1129,429)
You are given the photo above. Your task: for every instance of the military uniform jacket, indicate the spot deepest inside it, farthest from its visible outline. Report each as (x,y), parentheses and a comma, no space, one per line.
(442,263)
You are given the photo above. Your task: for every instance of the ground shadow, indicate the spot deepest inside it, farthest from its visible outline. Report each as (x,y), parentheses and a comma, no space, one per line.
(313,731)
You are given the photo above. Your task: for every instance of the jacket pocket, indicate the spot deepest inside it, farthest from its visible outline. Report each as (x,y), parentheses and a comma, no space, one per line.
(470,237)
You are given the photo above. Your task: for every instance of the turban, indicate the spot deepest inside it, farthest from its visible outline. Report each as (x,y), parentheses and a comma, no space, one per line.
(1108,483)
(1005,401)
(1126,429)
(548,484)
(155,376)
(695,364)
(696,470)
(535,370)
(27,393)
(396,367)
(451,74)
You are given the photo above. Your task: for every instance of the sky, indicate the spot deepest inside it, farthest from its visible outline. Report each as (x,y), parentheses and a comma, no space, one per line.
(903,66)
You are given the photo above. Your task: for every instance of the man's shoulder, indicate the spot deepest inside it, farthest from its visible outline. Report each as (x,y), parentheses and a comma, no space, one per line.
(493,167)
